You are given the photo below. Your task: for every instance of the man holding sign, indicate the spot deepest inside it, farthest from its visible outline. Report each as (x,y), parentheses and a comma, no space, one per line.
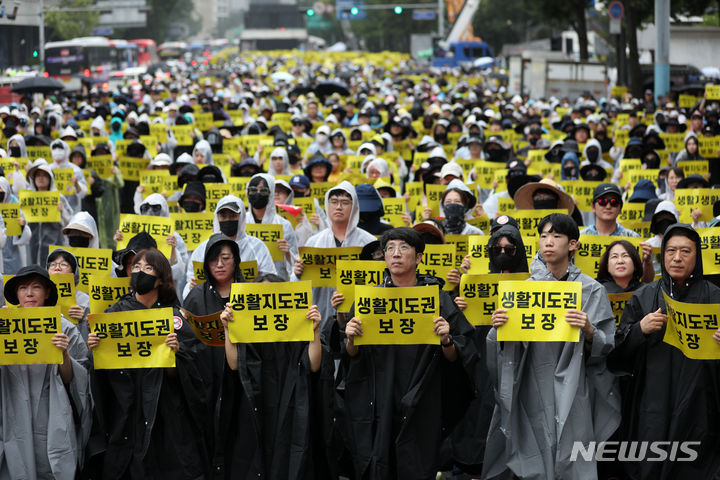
(401,389)
(668,395)
(566,383)
(42,445)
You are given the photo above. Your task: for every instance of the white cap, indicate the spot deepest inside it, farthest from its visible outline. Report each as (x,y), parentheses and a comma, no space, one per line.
(451,168)
(161,160)
(68,132)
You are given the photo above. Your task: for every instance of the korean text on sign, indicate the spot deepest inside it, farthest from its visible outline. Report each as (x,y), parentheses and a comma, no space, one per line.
(194,228)
(618,302)
(537,310)
(208,328)
(480,292)
(65,283)
(157,227)
(133,339)
(271,313)
(397,316)
(319,263)
(438,261)
(40,207)
(269,234)
(26,334)
(106,291)
(90,261)
(10,213)
(690,328)
(356,272)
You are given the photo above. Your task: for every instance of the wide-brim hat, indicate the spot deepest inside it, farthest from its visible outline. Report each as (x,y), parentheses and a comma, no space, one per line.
(524,196)
(32,270)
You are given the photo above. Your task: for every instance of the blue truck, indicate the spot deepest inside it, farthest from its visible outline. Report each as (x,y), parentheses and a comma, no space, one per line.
(459,53)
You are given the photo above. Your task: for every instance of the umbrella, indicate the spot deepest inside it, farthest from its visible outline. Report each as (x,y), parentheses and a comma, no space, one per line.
(282,77)
(38,85)
(711,72)
(330,86)
(301,90)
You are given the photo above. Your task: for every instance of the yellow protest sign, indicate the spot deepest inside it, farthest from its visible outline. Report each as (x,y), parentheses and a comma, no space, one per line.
(480,292)
(479,252)
(105,291)
(26,335)
(214,192)
(277,314)
(397,316)
(102,164)
(434,194)
(641,228)
(712,92)
(438,261)
(199,272)
(592,247)
(40,207)
(319,263)
(537,310)
(318,189)
(91,261)
(133,339)
(269,234)
(461,246)
(618,91)
(694,167)
(710,249)
(393,209)
(690,328)
(131,167)
(183,134)
(157,227)
(632,212)
(617,302)
(687,200)
(582,191)
(528,220)
(194,228)
(356,272)
(10,213)
(208,328)
(153,181)
(64,180)
(65,283)
(687,101)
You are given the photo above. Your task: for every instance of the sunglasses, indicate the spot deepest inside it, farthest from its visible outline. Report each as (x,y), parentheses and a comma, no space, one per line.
(613,202)
(145,208)
(508,249)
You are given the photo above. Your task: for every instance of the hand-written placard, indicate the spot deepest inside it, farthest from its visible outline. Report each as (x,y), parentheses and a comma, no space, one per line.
(65,283)
(397,316)
(356,272)
(690,328)
(438,261)
(537,310)
(592,247)
(480,292)
(90,261)
(271,312)
(319,263)
(26,334)
(133,339)
(10,213)
(40,207)
(194,228)
(157,227)
(208,328)
(269,234)
(64,180)
(617,302)
(105,291)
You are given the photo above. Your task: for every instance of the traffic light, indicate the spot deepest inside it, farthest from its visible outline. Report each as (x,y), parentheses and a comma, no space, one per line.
(354,11)
(35,53)
(310,12)
(398,9)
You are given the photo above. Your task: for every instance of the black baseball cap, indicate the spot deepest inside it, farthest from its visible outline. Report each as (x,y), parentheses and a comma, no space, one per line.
(605,189)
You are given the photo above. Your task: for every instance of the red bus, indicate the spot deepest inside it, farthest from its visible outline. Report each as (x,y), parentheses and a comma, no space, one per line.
(147,51)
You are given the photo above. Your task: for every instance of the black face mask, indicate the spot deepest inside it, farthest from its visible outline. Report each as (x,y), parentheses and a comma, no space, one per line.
(440,137)
(191,207)
(454,217)
(15,152)
(600,134)
(570,172)
(299,194)
(548,204)
(496,155)
(661,225)
(514,182)
(2,197)
(142,282)
(504,261)
(78,241)
(258,201)
(592,154)
(651,162)
(115,127)
(229,227)
(554,156)
(533,141)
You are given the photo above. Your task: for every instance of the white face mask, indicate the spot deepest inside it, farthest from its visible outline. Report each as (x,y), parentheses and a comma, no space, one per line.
(322,138)
(58,155)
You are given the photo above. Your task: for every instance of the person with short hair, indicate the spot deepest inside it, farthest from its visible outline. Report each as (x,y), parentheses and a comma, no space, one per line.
(551,394)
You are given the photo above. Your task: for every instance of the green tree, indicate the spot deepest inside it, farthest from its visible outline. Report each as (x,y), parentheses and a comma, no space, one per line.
(386,30)
(500,22)
(67,25)
(163,13)
(560,14)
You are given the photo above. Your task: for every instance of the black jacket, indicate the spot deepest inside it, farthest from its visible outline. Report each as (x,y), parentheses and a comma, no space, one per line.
(401,401)
(668,397)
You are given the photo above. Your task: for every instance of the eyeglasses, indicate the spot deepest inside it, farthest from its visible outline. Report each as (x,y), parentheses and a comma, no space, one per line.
(403,248)
(334,202)
(224,260)
(509,249)
(261,190)
(613,202)
(59,265)
(146,207)
(149,269)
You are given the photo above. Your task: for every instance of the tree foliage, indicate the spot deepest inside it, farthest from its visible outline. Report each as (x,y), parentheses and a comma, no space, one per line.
(561,14)
(162,14)
(67,25)
(385,30)
(501,22)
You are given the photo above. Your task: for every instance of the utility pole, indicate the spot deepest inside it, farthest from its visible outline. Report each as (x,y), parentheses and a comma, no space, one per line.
(662,51)
(441,18)
(41,47)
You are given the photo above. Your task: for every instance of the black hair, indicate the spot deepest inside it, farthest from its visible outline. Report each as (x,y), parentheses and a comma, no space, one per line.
(268,277)
(67,256)
(560,223)
(604,274)
(339,192)
(407,235)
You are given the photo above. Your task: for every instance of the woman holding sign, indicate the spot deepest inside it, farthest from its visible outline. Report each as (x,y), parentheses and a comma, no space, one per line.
(145,427)
(45,407)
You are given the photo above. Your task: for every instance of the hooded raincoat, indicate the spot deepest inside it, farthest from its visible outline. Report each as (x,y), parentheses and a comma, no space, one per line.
(251,248)
(470,206)
(81,191)
(81,298)
(280,152)
(667,396)
(15,252)
(552,394)
(283,267)
(19,181)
